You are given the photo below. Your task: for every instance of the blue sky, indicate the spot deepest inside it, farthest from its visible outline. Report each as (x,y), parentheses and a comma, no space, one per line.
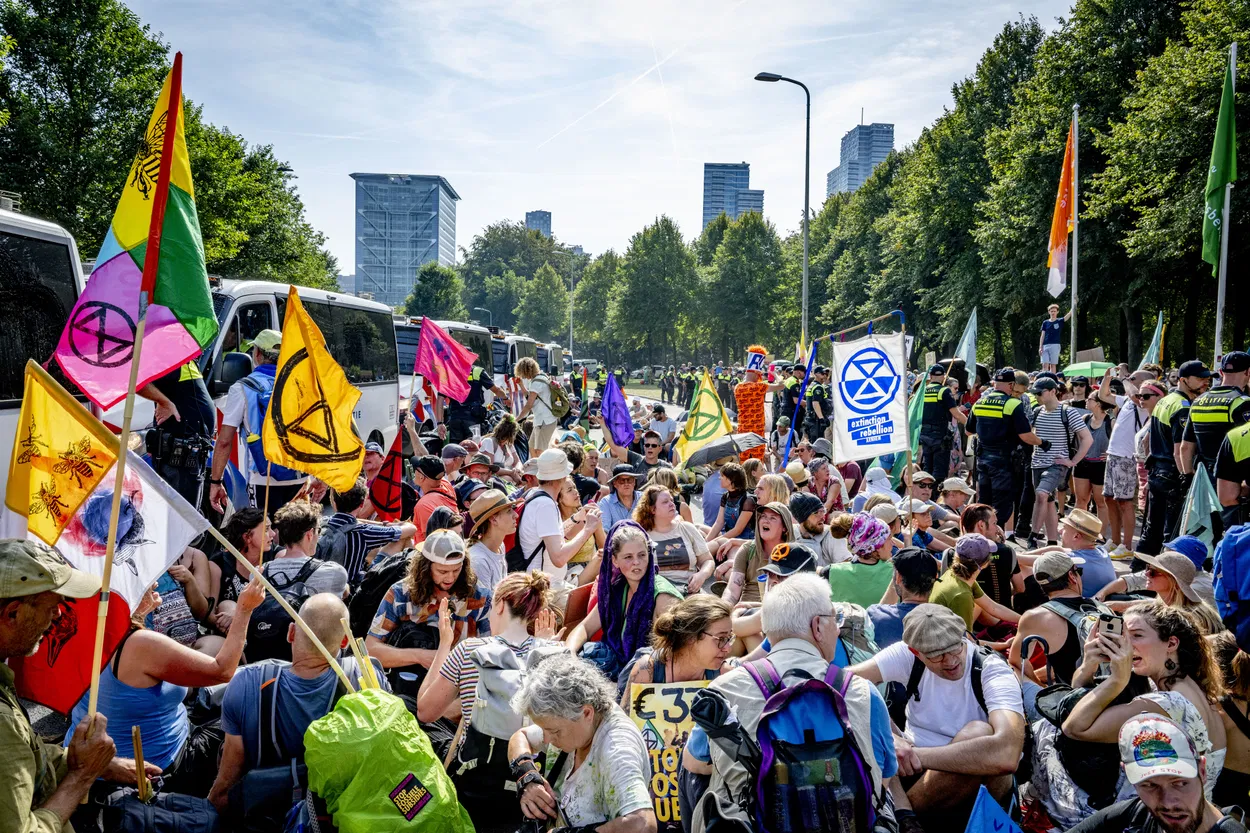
(601,112)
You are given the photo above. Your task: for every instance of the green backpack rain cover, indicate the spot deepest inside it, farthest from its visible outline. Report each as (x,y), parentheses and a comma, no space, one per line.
(375,769)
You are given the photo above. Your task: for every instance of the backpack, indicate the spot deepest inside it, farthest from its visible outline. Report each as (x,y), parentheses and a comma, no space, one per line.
(266,632)
(500,675)
(257,390)
(518,561)
(978,662)
(809,778)
(379,578)
(1232,582)
(332,544)
(120,810)
(1083,620)
(855,632)
(559,401)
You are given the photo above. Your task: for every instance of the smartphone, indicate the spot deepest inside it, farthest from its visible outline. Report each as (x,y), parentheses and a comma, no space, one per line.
(1108,623)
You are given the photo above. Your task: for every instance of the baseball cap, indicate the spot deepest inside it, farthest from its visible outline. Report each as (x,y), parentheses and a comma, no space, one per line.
(1235,362)
(267,340)
(803,505)
(30,567)
(1044,383)
(820,368)
(1080,380)
(916,507)
(1152,745)
(430,466)
(466,488)
(374,448)
(921,476)
(957,484)
(1194,367)
(914,564)
(784,420)
(1007,374)
(933,630)
(887,513)
(1191,547)
(453,450)
(788,559)
(444,547)
(974,547)
(937,370)
(1054,565)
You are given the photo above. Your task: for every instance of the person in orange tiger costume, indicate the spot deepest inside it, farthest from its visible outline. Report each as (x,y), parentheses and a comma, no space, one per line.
(750,395)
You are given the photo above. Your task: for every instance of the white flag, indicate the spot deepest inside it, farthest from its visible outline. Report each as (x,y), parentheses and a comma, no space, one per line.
(869,403)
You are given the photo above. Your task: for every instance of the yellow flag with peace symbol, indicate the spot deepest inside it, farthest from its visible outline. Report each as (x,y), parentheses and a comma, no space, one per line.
(705,421)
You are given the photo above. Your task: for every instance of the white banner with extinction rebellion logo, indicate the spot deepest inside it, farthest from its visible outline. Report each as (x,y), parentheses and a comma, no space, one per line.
(869,397)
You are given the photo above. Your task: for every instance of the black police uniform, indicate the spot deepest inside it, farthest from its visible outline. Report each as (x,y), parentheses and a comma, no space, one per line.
(1233,464)
(181,449)
(997,420)
(813,425)
(462,416)
(1166,486)
(935,430)
(1211,417)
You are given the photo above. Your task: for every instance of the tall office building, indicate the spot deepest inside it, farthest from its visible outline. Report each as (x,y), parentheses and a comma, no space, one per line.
(864,147)
(539,221)
(727,188)
(403,221)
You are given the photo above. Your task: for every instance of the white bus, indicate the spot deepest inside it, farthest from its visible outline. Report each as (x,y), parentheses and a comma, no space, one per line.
(408,336)
(551,359)
(506,350)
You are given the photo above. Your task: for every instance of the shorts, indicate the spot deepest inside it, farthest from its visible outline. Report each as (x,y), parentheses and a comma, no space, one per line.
(1120,480)
(1050,479)
(1091,470)
(1050,353)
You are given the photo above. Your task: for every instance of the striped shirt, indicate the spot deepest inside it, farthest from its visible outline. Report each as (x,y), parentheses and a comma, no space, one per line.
(460,670)
(1055,426)
(361,539)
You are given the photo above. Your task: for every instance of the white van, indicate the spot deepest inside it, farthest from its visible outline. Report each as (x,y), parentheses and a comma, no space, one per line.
(551,359)
(408,337)
(359,334)
(507,349)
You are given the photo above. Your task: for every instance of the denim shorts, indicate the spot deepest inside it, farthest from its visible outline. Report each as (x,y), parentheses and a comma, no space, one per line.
(1049,479)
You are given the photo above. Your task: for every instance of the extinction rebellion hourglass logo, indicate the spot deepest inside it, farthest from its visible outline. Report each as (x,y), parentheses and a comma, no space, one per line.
(868,384)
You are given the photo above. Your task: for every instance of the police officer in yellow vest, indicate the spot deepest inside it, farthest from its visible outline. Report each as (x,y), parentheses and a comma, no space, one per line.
(1213,415)
(601,379)
(935,425)
(462,416)
(1232,476)
(1166,482)
(1000,422)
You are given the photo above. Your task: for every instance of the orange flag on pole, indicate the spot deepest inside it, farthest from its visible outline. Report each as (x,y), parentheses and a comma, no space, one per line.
(1062,223)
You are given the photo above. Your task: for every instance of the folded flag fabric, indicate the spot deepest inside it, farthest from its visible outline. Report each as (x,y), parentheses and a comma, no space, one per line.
(155,526)
(443,362)
(386,492)
(1062,222)
(60,453)
(616,413)
(152,244)
(309,424)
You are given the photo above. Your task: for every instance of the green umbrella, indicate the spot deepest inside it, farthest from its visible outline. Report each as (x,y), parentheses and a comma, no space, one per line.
(1093,370)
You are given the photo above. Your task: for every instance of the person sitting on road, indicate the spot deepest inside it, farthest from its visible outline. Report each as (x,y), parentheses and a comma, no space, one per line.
(915,572)
(1079,533)
(500,446)
(865,579)
(582,567)
(810,514)
(955,494)
(734,517)
(629,595)
(547,542)
(681,554)
(957,738)
(1234,664)
(1001,578)
(604,769)
(773,525)
(1167,774)
(619,504)
(298,528)
(689,641)
(1202,585)
(247,532)
(876,482)
(669,480)
(801,623)
(958,589)
(643,463)
(923,535)
(304,691)
(363,537)
(430,475)
(491,521)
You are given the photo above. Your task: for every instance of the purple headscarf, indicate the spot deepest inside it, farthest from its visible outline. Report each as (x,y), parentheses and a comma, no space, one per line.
(625,631)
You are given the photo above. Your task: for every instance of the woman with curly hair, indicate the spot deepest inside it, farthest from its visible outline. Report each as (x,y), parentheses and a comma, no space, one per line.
(1234,783)
(404,632)
(500,446)
(681,554)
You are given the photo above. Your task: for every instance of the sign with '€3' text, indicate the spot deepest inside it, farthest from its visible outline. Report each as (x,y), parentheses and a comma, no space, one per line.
(662,713)
(869,397)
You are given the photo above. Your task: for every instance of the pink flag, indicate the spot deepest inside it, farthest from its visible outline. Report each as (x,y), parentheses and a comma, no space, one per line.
(98,342)
(443,362)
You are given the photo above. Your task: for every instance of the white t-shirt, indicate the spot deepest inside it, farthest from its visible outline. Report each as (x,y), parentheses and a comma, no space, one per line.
(489,566)
(1128,421)
(541,411)
(666,428)
(234,414)
(507,458)
(540,518)
(946,706)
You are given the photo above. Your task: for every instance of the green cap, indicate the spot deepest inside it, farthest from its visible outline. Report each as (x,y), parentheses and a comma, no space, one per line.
(267,340)
(30,567)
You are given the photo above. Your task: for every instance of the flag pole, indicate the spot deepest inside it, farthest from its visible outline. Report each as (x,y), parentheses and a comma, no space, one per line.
(1228,191)
(1076,166)
(902,334)
(151,262)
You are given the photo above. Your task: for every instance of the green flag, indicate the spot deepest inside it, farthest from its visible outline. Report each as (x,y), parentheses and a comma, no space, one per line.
(1223,171)
(1201,503)
(1156,343)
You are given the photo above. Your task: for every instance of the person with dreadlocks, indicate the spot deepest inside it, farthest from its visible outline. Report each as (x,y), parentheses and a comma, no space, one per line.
(629,596)
(750,395)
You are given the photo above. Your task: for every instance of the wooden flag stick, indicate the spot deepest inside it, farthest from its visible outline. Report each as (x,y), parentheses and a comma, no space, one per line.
(264,521)
(455,744)
(255,572)
(366,681)
(145,788)
(364,652)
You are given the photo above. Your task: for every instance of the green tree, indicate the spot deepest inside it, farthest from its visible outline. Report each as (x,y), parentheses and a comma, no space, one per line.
(543,312)
(6,46)
(657,280)
(706,244)
(591,300)
(508,247)
(437,294)
(743,285)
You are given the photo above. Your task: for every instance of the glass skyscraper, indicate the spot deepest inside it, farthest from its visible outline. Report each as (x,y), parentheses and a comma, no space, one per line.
(403,221)
(539,221)
(727,188)
(864,147)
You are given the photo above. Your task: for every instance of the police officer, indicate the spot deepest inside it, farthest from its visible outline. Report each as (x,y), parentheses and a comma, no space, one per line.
(1166,482)
(778,388)
(935,425)
(1232,476)
(181,440)
(601,379)
(1000,423)
(575,379)
(1214,413)
(461,417)
(817,404)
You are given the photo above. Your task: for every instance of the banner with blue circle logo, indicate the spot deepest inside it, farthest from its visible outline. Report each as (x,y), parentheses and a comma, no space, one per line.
(869,397)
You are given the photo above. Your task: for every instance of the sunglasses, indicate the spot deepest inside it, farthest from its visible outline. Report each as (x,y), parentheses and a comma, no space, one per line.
(1154,572)
(650,445)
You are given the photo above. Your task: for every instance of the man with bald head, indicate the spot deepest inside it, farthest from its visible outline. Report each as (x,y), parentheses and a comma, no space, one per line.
(295,695)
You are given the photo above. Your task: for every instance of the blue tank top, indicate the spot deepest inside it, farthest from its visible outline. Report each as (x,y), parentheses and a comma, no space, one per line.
(157,711)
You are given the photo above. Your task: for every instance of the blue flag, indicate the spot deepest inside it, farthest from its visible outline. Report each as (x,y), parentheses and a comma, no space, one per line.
(616,414)
(988,816)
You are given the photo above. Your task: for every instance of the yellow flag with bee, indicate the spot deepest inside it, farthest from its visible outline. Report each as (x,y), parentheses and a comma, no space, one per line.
(60,454)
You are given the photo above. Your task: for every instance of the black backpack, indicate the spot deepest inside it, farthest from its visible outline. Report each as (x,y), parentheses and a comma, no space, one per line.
(379,578)
(517,560)
(332,544)
(266,632)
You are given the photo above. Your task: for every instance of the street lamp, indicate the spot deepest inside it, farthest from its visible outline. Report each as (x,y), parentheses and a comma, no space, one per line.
(490,320)
(772,77)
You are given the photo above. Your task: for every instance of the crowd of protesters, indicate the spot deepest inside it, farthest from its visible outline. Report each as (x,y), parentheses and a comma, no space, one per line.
(880,645)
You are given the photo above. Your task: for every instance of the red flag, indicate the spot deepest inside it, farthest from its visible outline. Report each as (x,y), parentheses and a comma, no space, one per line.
(444,362)
(1061,224)
(58,673)
(387,491)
